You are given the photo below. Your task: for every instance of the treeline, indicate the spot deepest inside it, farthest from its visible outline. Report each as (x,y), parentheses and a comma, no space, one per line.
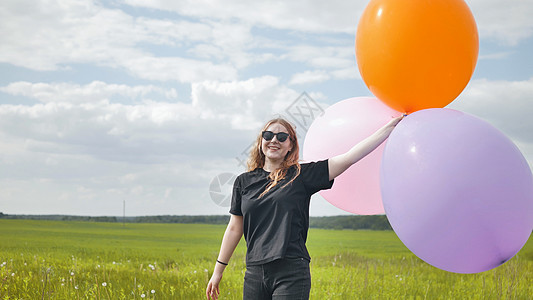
(138,219)
(377,222)
(61,218)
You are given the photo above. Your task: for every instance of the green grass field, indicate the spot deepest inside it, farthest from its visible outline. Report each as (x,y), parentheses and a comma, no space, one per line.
(82,260)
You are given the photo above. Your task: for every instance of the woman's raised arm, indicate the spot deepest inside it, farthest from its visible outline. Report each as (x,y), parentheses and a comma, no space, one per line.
(340,163)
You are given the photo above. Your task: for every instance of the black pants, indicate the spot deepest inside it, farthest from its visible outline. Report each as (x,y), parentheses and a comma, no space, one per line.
(287,278)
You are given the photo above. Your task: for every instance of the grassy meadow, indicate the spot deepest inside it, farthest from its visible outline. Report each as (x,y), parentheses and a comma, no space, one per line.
(86,260)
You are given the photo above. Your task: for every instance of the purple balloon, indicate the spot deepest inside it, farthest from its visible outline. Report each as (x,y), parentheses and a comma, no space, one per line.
(457,192)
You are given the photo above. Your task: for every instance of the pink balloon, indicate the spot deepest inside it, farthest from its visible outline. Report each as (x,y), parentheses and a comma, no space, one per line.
(342,126)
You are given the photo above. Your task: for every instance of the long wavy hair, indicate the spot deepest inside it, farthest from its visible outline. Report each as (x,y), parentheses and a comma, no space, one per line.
(257,157)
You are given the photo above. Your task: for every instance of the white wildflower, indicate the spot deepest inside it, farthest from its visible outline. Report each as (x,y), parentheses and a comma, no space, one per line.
(104,284)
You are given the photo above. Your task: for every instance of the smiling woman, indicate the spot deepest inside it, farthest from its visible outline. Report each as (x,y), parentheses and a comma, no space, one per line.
(270,207)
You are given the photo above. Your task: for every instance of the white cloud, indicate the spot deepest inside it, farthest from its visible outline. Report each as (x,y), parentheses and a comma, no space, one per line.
(301,15)
(246,104)
(508,22)
(177,69)
(86,157)
(332,62)
(318,76)
(81,119)
(76,93)
(52,36)
(171,32)
(497,55)
(81,156)
(315,76)
(323,57)
(506,105)
(347,73)
(84,186)
(234,41)
(135,133)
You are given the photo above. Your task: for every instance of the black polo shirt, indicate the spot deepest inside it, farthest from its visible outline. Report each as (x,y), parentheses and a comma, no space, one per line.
(275,225)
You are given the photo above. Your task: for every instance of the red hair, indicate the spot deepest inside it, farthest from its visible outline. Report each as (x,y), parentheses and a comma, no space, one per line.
(257,157)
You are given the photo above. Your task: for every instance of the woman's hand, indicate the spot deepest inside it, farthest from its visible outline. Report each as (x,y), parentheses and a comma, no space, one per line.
(212,291)
(389,127)
(394,121)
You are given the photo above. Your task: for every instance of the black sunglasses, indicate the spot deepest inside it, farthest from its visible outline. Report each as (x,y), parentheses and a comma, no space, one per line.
(280,136)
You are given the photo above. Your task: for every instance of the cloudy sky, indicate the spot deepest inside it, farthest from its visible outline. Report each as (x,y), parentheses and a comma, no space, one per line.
(149,102)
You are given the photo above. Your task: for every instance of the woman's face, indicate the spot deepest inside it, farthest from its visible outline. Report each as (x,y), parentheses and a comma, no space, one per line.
(275,150)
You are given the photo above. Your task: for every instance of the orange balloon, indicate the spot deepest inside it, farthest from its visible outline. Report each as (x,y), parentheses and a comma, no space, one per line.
(416,54)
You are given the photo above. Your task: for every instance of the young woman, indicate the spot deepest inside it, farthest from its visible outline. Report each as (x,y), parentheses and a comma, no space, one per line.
(270,206)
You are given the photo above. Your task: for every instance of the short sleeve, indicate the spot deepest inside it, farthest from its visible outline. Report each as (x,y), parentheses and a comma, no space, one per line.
(236,195)
(316,176)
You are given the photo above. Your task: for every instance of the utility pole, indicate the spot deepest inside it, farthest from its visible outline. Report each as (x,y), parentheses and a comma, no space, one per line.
(123,213)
